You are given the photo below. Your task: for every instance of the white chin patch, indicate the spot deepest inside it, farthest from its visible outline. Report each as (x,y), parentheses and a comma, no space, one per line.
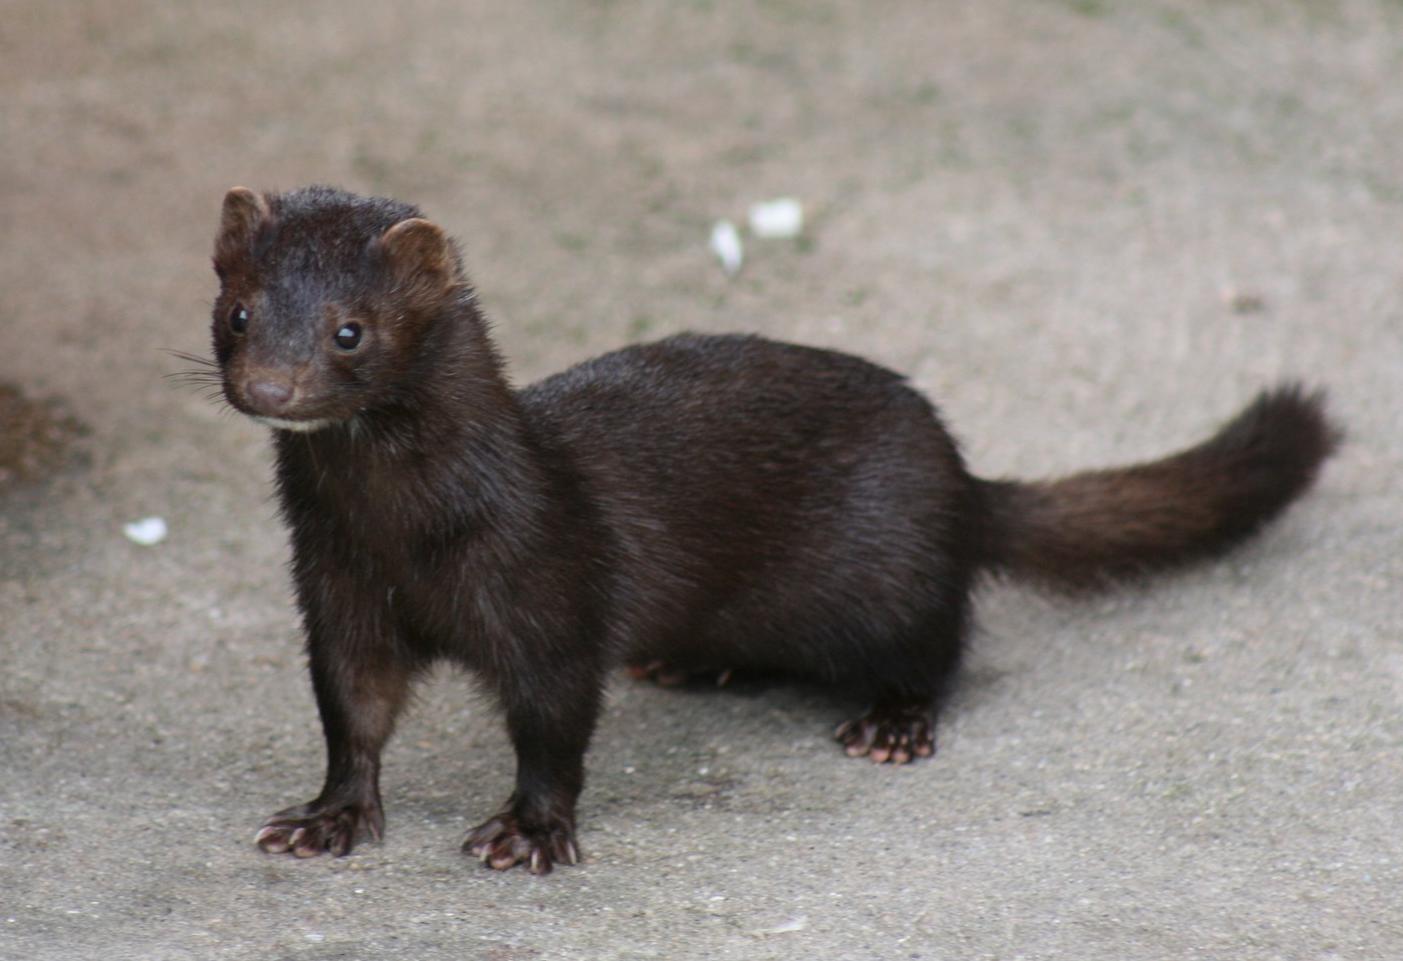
(301,426)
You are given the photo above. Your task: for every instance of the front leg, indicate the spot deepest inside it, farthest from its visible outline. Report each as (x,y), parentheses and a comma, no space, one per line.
(361,682)
(550,721)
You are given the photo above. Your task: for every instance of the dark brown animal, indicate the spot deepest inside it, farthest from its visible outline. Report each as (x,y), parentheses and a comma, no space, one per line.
(690,505)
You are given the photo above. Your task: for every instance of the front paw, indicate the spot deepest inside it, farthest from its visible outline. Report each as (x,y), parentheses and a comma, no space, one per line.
(503,842)
(317,827)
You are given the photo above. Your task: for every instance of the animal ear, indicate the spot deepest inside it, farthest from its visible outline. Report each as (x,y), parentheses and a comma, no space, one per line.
(244,212)
(420,256)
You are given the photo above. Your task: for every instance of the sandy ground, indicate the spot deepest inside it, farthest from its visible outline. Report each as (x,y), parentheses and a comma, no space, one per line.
(1089,230)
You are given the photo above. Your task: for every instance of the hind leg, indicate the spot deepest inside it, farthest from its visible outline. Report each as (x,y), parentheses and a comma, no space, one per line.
(909,678)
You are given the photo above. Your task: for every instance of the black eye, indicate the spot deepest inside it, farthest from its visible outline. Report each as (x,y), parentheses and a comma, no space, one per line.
(238,319)
(348,337)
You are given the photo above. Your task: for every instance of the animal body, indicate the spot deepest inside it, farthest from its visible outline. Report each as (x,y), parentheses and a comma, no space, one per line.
(695,504)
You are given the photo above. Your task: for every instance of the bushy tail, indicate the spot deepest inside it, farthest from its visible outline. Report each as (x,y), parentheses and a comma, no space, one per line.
(1093,528)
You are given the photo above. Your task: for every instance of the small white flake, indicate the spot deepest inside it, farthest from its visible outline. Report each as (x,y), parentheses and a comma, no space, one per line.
(726,245)
(786,927)
(779,218)
(147,532)
(315,936)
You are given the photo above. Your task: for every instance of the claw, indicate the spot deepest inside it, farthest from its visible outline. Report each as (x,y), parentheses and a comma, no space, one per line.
(312,829)
(501,843)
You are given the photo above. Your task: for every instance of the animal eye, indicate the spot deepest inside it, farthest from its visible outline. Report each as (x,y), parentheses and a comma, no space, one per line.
(238,319)
(348,337)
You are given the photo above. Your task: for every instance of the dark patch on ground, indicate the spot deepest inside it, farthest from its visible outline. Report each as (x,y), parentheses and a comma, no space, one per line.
(37,437)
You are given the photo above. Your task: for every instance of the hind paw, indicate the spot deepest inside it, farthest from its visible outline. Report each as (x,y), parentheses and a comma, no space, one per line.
(896,734)
(666,675)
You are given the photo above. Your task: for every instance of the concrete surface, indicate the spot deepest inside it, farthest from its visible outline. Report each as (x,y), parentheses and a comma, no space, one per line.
(1090,230)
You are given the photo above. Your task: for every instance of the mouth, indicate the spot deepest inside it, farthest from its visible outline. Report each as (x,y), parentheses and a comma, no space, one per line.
(299,426)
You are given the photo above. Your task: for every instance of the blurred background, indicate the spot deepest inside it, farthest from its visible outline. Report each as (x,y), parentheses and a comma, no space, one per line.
(1089,230)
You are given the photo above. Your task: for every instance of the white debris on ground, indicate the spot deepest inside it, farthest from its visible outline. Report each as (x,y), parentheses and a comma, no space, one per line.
(148,532)
(726,245)
(785,927)
(777,219)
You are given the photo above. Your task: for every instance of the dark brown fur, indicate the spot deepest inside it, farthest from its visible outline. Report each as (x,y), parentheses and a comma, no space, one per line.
(695,504)
(1093,528)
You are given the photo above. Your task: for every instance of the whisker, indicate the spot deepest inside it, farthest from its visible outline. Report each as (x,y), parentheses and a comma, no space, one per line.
(201,385)
(191,358)
(203,376)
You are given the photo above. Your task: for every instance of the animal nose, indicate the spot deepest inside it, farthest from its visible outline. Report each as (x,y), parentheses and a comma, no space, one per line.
(269,393)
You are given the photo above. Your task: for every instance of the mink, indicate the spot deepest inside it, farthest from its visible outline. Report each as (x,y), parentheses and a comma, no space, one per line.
(692,505)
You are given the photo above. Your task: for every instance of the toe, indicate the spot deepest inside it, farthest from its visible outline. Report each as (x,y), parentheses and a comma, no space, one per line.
(272,838)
